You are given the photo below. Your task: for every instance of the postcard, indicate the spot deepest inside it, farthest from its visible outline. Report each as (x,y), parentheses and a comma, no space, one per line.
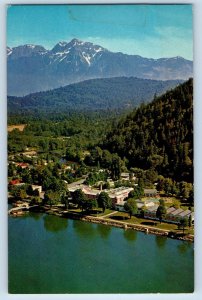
(100,149)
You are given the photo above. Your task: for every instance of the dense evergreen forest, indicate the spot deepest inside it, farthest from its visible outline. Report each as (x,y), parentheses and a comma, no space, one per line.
(110,94)
(159,135)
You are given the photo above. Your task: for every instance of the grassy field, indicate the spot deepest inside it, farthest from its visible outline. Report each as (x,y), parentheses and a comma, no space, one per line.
(20,127)
(94,212)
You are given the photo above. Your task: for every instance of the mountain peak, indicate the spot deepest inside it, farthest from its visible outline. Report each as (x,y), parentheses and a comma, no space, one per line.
(76,42)
(26,50)
(76,60)
(62,43)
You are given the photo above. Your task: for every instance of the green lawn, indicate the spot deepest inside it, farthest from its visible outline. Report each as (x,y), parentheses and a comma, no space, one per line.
(97,212)
(122,216)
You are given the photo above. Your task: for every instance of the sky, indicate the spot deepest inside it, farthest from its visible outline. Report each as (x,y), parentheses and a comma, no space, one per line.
(151,31)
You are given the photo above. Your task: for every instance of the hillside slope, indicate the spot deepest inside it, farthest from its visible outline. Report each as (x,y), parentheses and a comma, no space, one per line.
(119,93)
(159,135)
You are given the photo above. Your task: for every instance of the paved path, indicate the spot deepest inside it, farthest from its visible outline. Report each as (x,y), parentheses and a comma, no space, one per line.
(23,207)
(110,214)
(142,226)
(132,224)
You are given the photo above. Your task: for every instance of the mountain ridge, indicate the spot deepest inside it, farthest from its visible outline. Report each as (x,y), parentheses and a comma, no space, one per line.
(32,68)
(118,93)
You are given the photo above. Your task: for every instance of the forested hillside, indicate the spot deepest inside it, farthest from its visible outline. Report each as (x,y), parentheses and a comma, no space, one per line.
(119,94)
(158,135)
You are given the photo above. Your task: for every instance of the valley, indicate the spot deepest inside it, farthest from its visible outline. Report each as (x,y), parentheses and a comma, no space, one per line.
(108,154)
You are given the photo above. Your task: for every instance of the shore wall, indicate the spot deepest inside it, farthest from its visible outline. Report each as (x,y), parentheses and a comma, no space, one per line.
(115,223)
(137,227)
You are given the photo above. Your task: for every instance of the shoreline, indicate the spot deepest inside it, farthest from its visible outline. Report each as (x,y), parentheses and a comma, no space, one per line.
(140,228)
(108,222)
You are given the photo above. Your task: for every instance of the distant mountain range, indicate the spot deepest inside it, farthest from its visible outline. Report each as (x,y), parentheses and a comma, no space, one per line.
(32,68)
(119,93)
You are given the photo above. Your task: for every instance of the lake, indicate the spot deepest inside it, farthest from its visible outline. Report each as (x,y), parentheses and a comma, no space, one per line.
(49,254)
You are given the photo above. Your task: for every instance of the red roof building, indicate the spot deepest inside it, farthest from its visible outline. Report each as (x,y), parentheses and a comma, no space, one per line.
(14,182)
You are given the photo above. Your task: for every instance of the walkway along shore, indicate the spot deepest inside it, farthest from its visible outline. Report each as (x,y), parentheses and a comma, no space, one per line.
(105,221)
(138,227)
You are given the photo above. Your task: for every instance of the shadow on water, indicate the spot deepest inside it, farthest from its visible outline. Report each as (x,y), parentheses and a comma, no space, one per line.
(54,224)
(130,235)
(161,241)
(84,229)
(104,231)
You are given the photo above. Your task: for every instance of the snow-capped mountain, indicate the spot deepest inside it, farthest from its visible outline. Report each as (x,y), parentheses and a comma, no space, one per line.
(25,51)
(32,68)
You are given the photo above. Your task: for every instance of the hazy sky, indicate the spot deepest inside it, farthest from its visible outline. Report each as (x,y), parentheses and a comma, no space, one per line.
(148,30)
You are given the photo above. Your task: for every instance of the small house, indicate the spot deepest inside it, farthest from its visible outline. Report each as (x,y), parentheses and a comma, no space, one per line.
(150,192)
(127,176)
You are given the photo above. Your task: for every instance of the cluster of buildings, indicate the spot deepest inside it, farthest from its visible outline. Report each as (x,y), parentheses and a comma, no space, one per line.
(119,196)
(19,183)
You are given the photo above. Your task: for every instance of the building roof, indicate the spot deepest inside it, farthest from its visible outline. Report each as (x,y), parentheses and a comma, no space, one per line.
(152,208)
(22,164)
(149,204)
(150,191)
(170,209)
(140,205)
(124,174)
(41,195)
(14,181)
(185,213)
(177,212)
(119,191)
(88,191)
(36,186)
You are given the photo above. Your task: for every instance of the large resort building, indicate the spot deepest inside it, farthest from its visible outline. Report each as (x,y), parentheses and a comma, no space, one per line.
(117,195)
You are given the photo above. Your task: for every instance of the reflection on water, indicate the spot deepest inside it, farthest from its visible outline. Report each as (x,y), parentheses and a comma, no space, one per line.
(54,224)
(161,241)
(35,216)
(84,229)
(130,235)
(104,231)
(184,247)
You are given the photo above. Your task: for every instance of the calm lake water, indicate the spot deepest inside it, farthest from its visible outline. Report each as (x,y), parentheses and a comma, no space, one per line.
(48,254)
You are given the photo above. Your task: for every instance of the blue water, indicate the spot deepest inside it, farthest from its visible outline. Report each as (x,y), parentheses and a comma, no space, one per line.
(48,254)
